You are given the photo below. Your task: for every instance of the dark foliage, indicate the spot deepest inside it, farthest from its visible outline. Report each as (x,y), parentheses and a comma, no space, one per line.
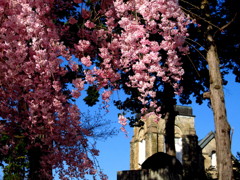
(92,96)
(236,167)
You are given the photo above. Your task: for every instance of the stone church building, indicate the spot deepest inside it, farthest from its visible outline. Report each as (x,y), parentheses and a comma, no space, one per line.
(194,155)
(208,150)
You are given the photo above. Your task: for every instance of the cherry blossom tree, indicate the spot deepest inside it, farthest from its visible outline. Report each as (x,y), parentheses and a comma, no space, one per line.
(34,101)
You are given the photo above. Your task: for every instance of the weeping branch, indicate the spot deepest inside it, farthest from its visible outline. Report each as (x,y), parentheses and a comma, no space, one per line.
(197,50)
(196,43)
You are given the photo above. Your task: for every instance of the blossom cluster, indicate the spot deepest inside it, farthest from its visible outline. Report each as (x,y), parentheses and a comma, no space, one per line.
(33,103)
(140,22)
(147,39)
(143,38)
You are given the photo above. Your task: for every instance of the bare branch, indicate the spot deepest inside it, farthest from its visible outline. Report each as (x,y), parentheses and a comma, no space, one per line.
(206,95)
(194,14)
(190,4)
(197,50)
(194,66)
(226,25)
(196,43)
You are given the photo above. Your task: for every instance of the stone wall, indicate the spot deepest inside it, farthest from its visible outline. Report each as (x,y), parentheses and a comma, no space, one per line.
(147,174)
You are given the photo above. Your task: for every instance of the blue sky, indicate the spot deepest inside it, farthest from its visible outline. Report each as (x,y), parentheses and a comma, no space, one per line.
(115,151)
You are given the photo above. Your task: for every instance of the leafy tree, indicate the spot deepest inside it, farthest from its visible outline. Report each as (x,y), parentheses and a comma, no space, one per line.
(15,162)
(218,38)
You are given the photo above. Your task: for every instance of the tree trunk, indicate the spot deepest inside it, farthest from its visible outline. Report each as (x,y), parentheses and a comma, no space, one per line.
(169,107)
(35,167)
(169,133)
(34,153)
(222,127)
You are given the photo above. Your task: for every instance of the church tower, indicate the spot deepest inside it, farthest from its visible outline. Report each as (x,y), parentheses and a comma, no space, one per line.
(149,139)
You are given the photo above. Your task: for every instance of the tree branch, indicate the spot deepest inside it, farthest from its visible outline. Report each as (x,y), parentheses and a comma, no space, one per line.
(196,43)
(196,50)
(194,66)
(226,25)
(190,4)
(184,9)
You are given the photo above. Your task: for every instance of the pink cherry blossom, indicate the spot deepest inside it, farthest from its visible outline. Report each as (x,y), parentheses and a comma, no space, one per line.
(140,54)
(75,93)
(57,86)
(72,20)
(89,24)
(122,120)
(106,95)
(78,1)
(86,61)
(78,83)
(82,45)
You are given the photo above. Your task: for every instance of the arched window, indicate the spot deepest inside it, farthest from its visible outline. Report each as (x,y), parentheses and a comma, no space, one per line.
(178,147)
(142,152)
(214,159)
(141,148)
(178,143)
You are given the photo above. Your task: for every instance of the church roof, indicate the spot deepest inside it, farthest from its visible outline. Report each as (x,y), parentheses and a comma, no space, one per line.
(184,110)
(203,142)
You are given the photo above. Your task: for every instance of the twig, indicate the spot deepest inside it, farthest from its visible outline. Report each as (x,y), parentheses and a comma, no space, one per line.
(226,25)
(197,50)
(194,66)
(201,18)
(190,4)
(196,43)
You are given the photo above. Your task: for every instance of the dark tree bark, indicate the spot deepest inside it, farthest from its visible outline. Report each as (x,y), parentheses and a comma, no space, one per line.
(35,167)
(169,133)
(169,103)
